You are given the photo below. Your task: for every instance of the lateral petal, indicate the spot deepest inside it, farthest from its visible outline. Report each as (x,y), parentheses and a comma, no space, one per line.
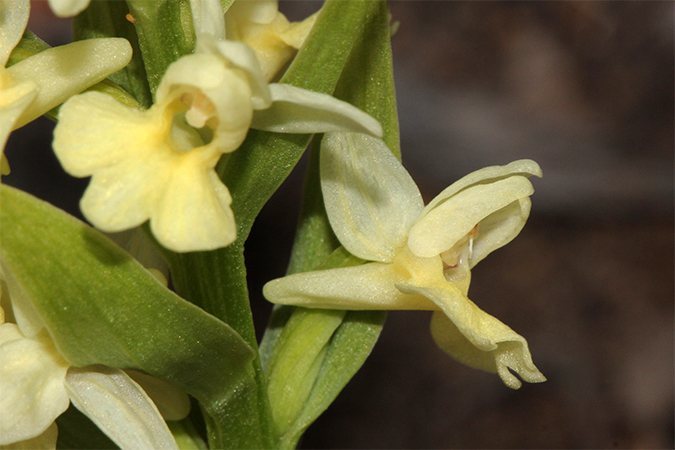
(64,71)
(296,110)
(366,287)
(243,57)
(522,167)
(499,228)
(119,407)
(370,198)
(32,394)
(441,227)
(227,90)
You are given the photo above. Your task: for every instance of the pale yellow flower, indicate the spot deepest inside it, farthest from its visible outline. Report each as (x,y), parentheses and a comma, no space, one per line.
(158,164)
(37,84)
(259,24)
(419,257)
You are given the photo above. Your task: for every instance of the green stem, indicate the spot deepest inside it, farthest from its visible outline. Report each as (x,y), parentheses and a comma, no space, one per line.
(216,281)
(165,33)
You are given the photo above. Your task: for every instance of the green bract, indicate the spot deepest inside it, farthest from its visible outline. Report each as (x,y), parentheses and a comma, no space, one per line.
(101,307)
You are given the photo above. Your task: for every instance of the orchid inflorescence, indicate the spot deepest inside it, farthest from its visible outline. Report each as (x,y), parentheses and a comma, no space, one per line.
(186,177)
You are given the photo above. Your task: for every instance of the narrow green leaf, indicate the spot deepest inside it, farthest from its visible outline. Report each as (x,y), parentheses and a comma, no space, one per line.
(314,238)
(347,351)
(111,19)
(165,33)
(367,82)
(290,371)
(368,78)
(102,307)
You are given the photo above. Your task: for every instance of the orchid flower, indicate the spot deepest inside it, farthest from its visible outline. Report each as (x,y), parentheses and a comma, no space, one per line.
(37,84)
(158,164)
(418,257)
(274,39)
(37,384)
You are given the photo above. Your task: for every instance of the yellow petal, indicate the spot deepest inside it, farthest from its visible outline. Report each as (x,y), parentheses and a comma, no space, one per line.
(96,131)
(256,11)
(13,20)
(522,167)
(62,72)
(296,110)
(207,18)
(44,441)
(297,32)
(370,198)
(441,227)
(226,90)
(194,211)
(119,407)
(125,195)
(171,402)
(32,375)
(499,228)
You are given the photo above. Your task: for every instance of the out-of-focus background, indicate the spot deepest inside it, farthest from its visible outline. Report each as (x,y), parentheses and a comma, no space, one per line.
(586,90)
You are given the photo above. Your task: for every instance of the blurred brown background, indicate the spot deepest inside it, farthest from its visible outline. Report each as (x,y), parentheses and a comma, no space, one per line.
(586,90)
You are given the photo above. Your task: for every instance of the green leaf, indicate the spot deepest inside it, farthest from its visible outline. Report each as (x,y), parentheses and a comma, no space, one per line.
(346,352)
(290,371)
(367,82)
(314,238)
(216,280)
(109,19)
(101,307)
(368,78)
(165,33)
